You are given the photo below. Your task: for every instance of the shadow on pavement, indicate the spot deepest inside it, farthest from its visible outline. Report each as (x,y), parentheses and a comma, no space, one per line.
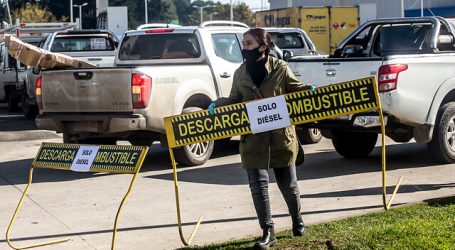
(175,225)
(322,164)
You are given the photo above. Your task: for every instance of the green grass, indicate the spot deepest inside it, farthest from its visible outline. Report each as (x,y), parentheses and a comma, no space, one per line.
(429,225)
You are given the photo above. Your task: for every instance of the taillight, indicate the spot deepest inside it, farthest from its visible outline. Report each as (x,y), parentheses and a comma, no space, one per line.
(388,76)
(159,31)
(141,86)
(38,92)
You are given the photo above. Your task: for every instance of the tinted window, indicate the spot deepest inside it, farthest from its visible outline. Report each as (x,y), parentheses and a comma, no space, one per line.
(159,46)
(287,40)
(82,43)
(227,47)
(403,38)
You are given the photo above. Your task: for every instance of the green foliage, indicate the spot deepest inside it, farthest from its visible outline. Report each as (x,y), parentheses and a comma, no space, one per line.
(183,12)
(422,226)
(33,14)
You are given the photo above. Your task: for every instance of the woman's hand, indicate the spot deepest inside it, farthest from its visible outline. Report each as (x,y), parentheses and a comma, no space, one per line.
(211,108)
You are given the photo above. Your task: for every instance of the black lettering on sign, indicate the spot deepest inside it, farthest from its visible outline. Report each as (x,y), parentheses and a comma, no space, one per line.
(110,159)
(326,102)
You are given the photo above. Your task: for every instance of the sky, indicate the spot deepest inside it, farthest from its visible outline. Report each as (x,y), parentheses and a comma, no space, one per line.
(255,5)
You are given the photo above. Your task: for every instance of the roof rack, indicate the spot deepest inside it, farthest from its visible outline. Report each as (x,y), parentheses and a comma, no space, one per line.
(224,23)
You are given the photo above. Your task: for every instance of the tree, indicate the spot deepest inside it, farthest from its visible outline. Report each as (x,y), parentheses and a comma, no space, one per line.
(33,14)
(163,11)
(242,13)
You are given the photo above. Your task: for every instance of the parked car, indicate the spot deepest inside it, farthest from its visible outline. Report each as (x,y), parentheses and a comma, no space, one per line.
(294,40)
(414,61)
(93,46)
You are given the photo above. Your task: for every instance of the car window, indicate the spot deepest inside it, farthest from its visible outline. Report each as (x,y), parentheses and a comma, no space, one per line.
(291,40)
(397,39)
(227,47)
(160,46)
(82,43)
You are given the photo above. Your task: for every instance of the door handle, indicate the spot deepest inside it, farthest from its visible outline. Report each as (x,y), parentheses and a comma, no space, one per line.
(330,72)
(225,75)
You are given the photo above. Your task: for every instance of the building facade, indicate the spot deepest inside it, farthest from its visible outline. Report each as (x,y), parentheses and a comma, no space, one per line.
(370,9)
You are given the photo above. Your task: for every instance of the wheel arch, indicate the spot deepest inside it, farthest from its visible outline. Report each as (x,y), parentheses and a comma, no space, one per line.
(445,94)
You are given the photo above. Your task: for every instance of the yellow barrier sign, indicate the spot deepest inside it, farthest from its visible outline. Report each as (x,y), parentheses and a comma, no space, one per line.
(119,159)
(90,158)
(304,106)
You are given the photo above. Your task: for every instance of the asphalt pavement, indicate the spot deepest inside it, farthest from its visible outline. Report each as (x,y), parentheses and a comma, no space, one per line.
(82,206)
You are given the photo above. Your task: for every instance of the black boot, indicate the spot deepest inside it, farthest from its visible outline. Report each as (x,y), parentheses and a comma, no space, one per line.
(268,239)
(298,227)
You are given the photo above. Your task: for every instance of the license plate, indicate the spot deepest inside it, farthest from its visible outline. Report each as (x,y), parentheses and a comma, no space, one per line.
(85,126)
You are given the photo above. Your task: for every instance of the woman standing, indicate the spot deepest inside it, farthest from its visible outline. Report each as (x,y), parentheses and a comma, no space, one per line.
(262,76)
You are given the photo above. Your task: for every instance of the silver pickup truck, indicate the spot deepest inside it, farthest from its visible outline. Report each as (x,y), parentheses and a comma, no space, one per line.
(414,61)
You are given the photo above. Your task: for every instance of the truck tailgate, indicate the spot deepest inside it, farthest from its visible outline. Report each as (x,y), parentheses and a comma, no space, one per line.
(326,71)
(87,90)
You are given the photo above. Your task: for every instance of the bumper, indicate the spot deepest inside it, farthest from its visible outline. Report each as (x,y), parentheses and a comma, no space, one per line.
(91,124)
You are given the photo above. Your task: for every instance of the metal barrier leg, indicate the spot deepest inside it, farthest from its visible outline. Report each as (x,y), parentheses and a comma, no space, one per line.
(386,204)
(121,205)
(177,203)
(14,218)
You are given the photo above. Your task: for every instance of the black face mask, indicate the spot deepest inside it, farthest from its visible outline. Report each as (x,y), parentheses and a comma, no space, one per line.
(255,68)
(251,56)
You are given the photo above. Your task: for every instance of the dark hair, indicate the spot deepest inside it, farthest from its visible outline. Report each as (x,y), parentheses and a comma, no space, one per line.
(262,37)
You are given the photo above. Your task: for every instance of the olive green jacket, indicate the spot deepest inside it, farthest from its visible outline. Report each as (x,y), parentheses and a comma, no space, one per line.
(272,149)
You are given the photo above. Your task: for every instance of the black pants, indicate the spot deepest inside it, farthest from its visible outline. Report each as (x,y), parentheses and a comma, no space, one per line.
(259,184)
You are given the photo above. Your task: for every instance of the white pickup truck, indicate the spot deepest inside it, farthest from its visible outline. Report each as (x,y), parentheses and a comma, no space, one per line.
(414,61)
(158,73)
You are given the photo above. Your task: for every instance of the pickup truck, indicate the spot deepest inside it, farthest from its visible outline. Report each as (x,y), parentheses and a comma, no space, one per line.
(414,61)
(157,73)
(93,46)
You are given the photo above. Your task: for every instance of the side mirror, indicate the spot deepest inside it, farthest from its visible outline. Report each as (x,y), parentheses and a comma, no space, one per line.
(287,55)
(351,51)
(36,70)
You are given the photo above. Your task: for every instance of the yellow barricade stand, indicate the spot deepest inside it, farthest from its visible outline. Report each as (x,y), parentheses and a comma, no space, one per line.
(302,107)
(116,159)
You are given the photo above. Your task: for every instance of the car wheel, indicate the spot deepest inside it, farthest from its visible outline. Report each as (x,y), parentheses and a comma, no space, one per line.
(29,110)
(309,135)
(353,144)
(194,154)
(442,144)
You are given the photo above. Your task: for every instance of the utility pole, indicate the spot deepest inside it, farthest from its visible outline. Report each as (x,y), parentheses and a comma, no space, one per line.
(71,11)
(146,12)
(231,12)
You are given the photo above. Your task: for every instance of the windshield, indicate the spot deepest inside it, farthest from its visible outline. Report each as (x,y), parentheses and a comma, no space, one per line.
(287,40)
(160,46)
(82,43)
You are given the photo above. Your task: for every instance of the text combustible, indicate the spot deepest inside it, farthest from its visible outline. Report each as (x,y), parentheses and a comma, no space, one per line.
(101,157)
(215,123)
(327,102)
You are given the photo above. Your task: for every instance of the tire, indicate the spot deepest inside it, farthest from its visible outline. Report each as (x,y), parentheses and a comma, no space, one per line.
(309,135)
(13,103)
(194,154)
(442,144)
(29,110)
(354,144)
